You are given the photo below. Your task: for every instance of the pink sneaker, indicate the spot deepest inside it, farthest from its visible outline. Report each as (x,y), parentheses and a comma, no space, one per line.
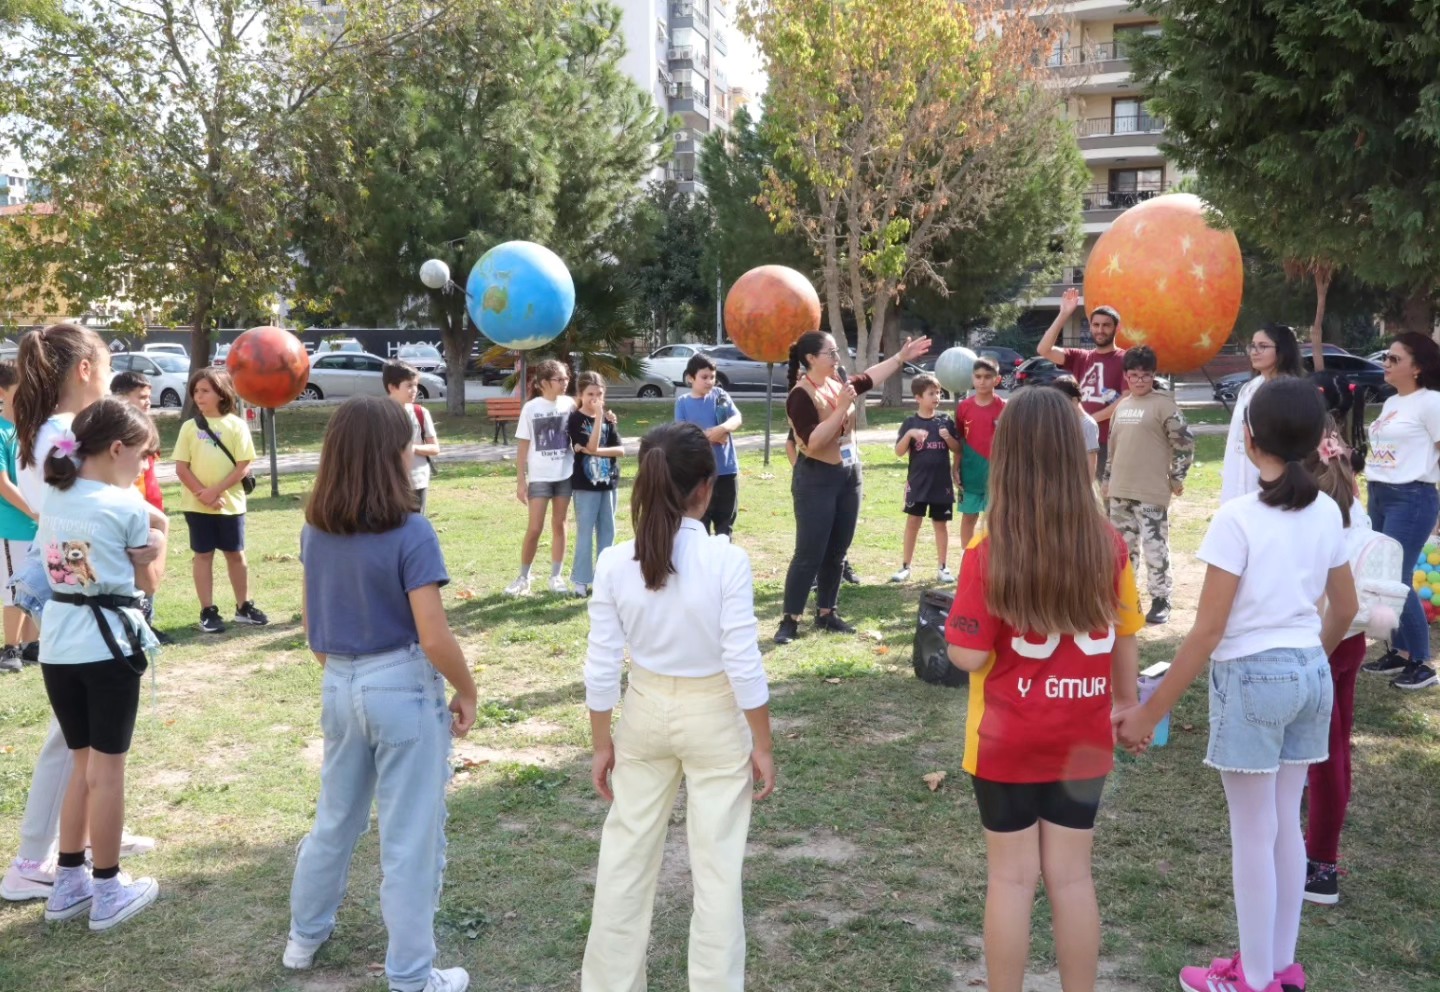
(1292,979)
(1221,976)
(26,879)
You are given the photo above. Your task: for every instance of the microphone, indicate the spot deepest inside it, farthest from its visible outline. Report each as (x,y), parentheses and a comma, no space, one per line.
(842,375)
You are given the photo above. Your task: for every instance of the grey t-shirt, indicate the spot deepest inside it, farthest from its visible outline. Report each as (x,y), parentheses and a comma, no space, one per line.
(357,586)
(1091,430)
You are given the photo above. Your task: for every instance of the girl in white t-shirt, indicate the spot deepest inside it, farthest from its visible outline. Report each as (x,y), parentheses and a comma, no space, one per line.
(1402,470)
(544,465)
(1271,556)
(1273,351)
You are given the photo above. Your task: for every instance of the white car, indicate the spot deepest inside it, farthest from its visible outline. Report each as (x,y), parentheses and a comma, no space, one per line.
(339,344)
(351,373)
(670,361)
(162,348)
(169,375)
(425,358)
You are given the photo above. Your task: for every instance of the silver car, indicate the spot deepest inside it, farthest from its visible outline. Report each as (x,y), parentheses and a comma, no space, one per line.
(357,373)
(647,385)
(736,371)
(425,357)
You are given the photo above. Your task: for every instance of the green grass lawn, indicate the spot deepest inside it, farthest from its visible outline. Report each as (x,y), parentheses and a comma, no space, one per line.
(859,878)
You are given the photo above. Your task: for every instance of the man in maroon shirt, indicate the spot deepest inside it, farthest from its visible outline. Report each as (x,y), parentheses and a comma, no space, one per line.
(1099,370)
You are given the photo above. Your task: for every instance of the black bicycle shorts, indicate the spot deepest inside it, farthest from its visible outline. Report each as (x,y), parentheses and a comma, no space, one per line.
(1007,807)
(939,512)
(95,703)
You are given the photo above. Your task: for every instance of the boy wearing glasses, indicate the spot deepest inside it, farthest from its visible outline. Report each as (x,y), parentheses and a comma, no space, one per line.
(1151,450)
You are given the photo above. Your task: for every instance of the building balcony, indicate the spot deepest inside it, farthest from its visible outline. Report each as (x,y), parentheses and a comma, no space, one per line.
(1100,57)
(1109,140)
(689,15)
(717,38)
(686,99)
(1102,206)
(689,58)
(1087,10)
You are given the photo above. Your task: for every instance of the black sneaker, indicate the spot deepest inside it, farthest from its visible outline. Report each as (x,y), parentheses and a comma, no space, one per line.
(30,653)
(1159,611)
(10,660)
(160,635)
(248,612)
(210,622)
(789,630)
(1388,663)
(1416,677)
(848,574)
(1322,883)
(831,621)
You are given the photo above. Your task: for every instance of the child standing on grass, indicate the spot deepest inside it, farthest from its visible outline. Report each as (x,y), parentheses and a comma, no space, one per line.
(976,416)
(374,619)
(212,457)
(1150,452)
(598,449)
(929,441)
(17,527)
(134,388)
(94,649)
(1048,661)
(1271,556)
(710,408)
(402,386)
(683,602)
(545,465)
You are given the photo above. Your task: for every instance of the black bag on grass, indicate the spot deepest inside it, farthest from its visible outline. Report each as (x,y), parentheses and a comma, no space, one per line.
(931,657)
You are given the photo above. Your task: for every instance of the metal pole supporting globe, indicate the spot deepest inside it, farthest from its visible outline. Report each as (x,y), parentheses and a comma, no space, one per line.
(520,295)
(269,367)
(955,368)
(435,274)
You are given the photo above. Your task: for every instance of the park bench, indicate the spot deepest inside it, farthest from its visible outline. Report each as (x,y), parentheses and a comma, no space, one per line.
(502,413)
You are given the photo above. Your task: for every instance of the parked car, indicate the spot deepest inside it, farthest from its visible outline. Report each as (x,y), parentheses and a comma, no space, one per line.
(1036,372)
(1364,378)
(349,373)
(163,348)
(670,361)
(331,345)
(647,385)
(736,371)
(1374,356)
(168,375)
(1227,387)
(425,358)
(222,352)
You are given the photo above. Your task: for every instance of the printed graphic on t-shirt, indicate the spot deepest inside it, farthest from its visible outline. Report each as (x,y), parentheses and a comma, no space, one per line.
(1382,452)
(68,563)
(598,471)
(550,438)
(1093,388)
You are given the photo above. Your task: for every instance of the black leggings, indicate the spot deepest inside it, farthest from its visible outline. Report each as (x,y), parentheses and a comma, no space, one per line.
(724,505)
(827,505)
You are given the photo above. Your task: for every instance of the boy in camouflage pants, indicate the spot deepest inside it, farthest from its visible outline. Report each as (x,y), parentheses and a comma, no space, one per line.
(1151,450)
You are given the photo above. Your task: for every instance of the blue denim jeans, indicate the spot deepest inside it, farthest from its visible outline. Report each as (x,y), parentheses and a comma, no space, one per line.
(1270,709)
(387,735)
(1407,512)
(594,531)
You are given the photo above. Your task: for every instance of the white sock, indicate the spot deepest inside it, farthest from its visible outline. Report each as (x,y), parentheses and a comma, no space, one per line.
(555,567)
(1253,830)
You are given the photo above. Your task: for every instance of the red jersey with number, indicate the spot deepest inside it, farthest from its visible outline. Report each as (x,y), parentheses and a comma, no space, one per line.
(977,423)
(1040,706)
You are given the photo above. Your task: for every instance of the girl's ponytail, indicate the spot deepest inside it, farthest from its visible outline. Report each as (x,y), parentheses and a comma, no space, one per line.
(1286,419)
(1294,490)
(44,359)
(792,368)
(61,470)
(96,428)
(674,460)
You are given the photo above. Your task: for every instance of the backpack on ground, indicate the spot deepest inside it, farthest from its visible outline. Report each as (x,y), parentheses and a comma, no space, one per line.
(931,654)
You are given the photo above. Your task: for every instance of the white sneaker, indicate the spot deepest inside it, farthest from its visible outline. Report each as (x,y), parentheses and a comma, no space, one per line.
(557,584)
(580,590)
(520,587)
(72,894)
(449,980)
(25,880)
(299,954)
(117,899)
(944,577)
(901,576)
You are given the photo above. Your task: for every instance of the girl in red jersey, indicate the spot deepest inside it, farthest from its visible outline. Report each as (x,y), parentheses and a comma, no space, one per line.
(1048,663)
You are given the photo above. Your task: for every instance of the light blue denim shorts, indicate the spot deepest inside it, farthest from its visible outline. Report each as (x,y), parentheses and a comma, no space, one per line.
(1270,709)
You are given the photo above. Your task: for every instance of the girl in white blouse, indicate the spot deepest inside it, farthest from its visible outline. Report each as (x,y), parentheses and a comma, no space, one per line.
(696,706)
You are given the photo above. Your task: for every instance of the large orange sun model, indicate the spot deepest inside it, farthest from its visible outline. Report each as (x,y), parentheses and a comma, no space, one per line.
(269,367)
(767,309)
(1176,280)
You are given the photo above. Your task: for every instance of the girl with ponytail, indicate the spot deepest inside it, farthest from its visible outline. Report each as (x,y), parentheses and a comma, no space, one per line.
(1272,555)
(696,706)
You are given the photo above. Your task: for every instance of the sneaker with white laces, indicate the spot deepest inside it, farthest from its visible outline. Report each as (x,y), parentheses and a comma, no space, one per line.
(944,576)
(72,895)
(117,899)
(557,584)
(210,622)
(520,587)
(248,612)
(10,662)
(901,576)
(448,980)
(25,880)
(300,954)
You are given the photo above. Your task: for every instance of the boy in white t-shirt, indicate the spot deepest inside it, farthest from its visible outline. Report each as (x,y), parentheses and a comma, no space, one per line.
(545,463)
(402,385)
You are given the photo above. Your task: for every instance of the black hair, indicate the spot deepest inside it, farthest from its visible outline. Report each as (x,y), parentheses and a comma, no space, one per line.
(808,345)
(1140,357)
(698,361)
(674,460)
(9,374)
(396,373)
(95,428)
(127,382)
(1287,349)
(1287,418)
(1426,355)
(1067,385)
(984,362)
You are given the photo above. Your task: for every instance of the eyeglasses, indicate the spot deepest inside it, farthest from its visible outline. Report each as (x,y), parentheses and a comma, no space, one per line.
(1390,359)
(832,352)
(1139,374)
(1259,346)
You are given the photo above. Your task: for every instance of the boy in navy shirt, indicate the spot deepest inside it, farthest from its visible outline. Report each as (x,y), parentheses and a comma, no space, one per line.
(711,409)
(930,441)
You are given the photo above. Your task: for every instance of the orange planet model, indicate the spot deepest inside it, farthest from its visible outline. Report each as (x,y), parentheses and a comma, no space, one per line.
(1176,280)
(269,366)
(767,309)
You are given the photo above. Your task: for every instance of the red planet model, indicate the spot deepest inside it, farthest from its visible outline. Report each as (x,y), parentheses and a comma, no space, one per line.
(269,366)
(1175,280)
(767,309)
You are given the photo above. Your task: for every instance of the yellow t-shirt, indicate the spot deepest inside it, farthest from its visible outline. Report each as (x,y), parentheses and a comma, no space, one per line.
(209,463)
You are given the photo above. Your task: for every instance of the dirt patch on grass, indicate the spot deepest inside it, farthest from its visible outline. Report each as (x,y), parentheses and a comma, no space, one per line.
(538,728)
(972,977)
(169,778)
(313,753)
(831,850)
(544,757)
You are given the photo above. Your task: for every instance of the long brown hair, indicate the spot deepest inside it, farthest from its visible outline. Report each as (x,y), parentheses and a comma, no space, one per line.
(221,382)
(363,484)
(44,361)
(674,460)
(98,426)
(548,369)
(1052,554)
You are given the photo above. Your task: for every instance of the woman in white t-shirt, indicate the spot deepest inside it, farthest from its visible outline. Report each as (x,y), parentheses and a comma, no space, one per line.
(1271,556)
(1274,351)
(545,462)
(1402,470)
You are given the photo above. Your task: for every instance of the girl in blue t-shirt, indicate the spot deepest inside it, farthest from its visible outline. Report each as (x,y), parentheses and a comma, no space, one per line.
(93,650)
(374,619)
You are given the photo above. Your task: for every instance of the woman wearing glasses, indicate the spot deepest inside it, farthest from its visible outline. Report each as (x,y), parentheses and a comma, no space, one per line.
(1402,470)
(1274,352)
(826,481)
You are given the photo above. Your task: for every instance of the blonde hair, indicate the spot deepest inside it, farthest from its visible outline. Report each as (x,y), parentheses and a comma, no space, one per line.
(1053,557)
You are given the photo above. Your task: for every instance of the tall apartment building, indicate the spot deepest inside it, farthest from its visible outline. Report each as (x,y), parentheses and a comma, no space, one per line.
(678,50)
(1119,140)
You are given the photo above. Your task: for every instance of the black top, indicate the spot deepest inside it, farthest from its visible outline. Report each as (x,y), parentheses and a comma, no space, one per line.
(929,480)
(593,474)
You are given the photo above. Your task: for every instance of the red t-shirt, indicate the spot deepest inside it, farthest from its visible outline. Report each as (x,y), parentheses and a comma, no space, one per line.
(977,423)
(1040,706)
(1101,378)
(149,487)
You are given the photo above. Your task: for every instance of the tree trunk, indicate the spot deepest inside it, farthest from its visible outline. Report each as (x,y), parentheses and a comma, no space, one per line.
(866,342)
(1418,312)
(1323,275)
(892,392)
(200,319)
(457,339)
(835,312)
